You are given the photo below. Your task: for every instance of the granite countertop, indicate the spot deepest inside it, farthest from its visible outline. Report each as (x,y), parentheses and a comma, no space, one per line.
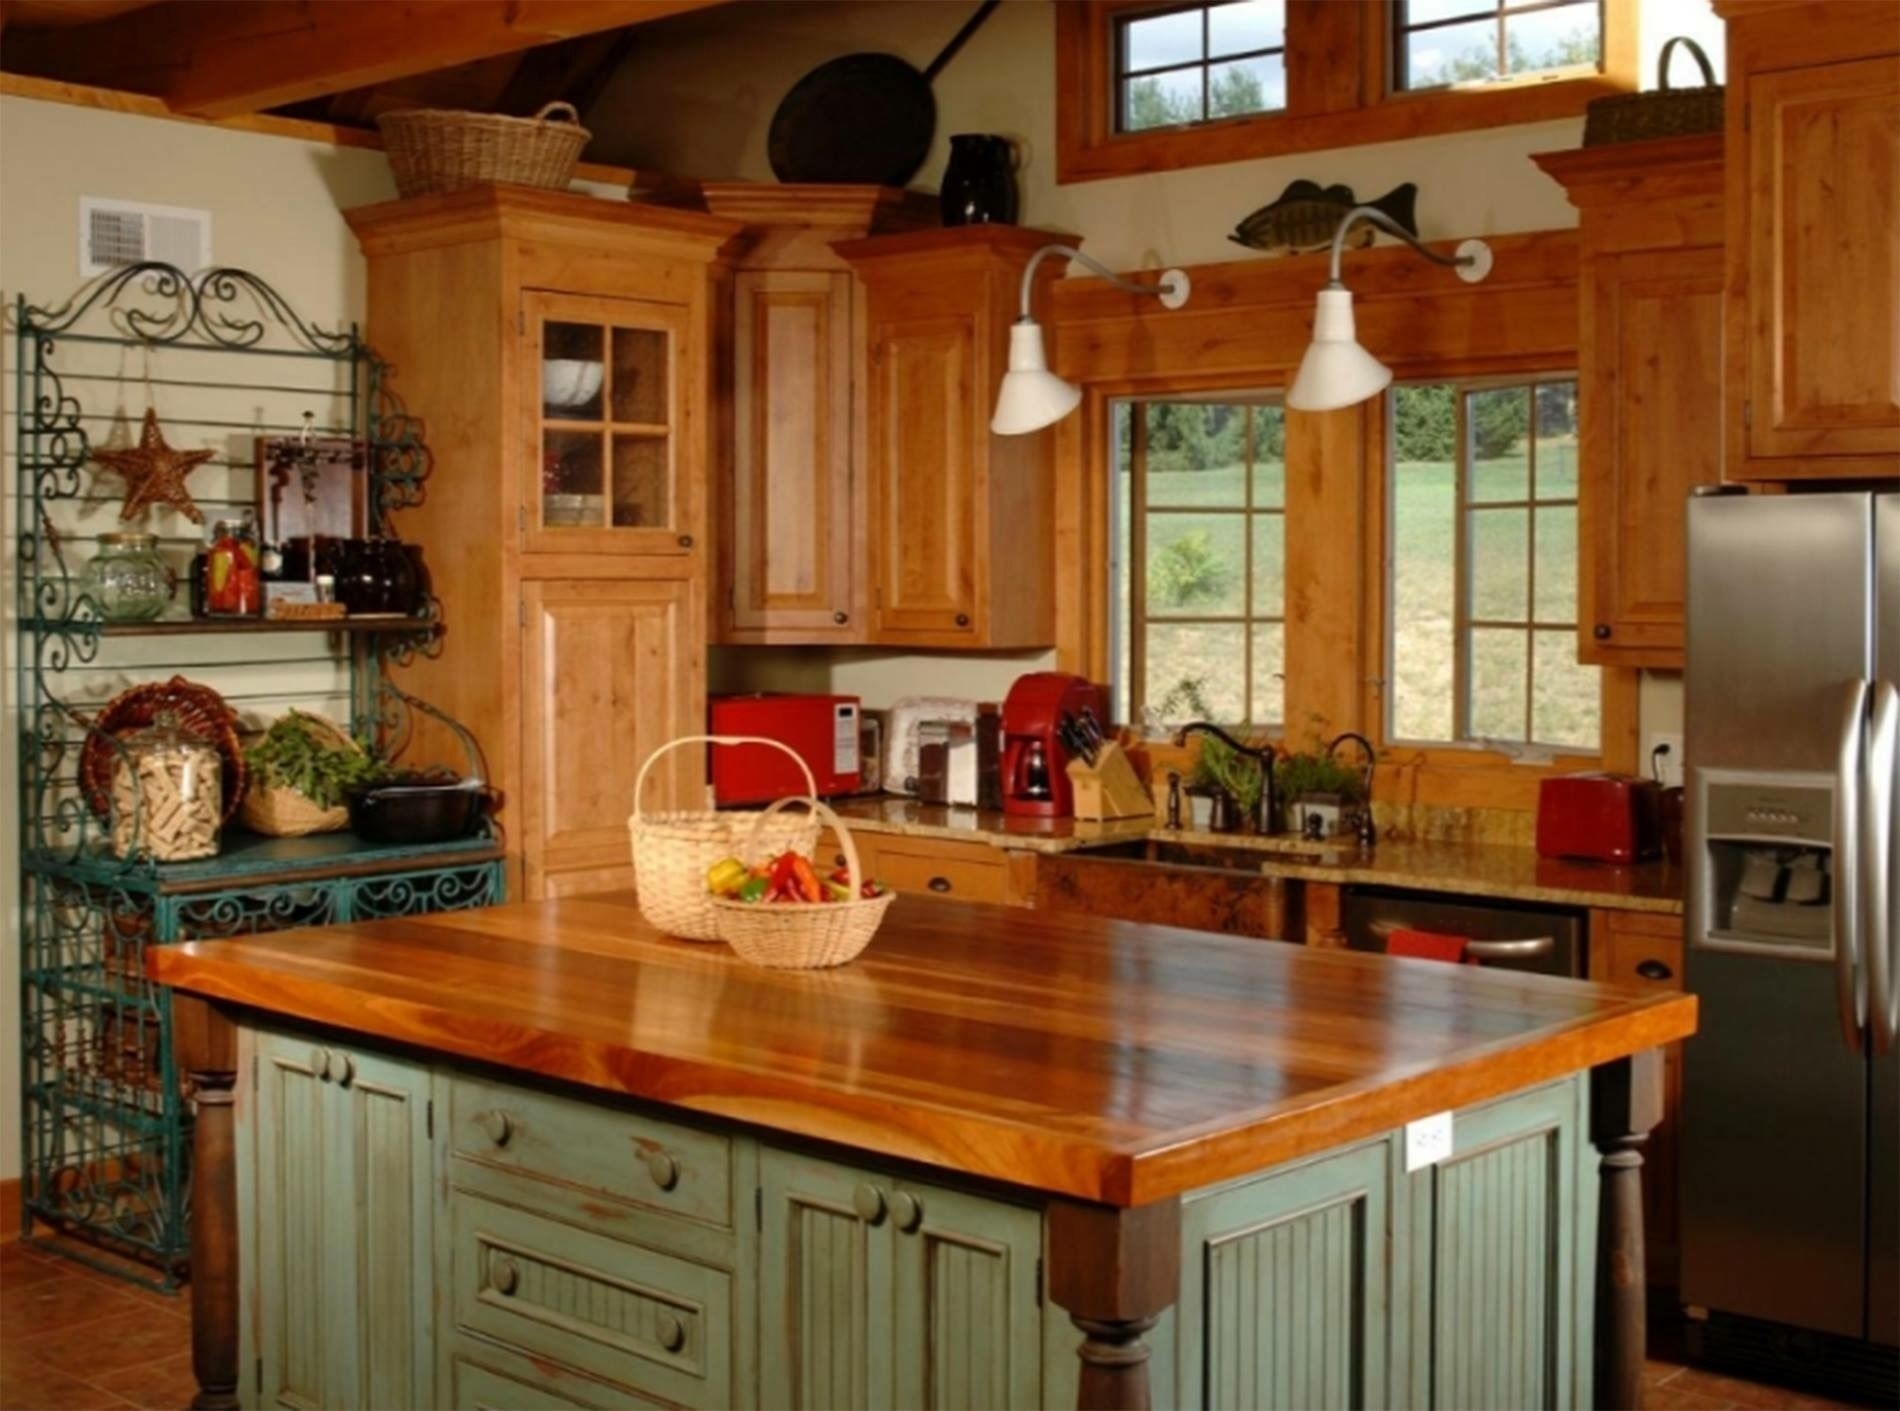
(1468,869)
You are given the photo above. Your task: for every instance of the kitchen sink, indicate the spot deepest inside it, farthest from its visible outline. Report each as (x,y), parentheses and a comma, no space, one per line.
(1212,856)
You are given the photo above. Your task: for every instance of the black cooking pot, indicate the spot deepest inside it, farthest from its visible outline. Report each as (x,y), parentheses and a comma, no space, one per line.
(417,808)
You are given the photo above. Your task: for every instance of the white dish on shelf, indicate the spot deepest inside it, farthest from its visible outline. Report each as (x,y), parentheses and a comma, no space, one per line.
(570,382)
(572,511)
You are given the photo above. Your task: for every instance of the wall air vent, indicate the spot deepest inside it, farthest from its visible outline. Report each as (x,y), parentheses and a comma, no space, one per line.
(114,233)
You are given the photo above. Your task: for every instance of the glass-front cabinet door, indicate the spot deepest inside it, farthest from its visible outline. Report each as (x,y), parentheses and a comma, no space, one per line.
(609,471)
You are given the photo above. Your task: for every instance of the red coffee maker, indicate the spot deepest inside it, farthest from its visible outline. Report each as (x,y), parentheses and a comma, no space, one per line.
(1035,764)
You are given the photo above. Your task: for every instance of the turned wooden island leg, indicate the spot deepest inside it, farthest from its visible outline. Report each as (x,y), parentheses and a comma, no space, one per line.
(207,1052)
(1115,1272)
(1626,1102)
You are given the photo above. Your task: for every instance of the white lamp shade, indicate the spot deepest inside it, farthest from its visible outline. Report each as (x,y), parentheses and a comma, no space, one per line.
(1336,372)
(1031,396)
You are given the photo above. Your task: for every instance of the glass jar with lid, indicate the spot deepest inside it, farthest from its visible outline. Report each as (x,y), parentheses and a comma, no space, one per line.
(233,574)
(128,579)
(167,794)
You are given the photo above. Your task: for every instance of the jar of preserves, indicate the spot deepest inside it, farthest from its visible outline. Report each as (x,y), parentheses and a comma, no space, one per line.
(233,580)
(127,579)
(167,794)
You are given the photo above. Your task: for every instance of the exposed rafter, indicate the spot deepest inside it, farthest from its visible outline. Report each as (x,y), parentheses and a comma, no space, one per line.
(243,56)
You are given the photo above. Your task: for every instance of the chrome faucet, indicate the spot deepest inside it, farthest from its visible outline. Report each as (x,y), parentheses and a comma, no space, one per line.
(1265,806)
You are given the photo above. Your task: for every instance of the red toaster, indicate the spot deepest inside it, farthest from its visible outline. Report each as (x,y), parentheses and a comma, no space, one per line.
(1599,817)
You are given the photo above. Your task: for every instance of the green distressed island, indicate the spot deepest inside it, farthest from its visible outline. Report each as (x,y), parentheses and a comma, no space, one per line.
(544,1156)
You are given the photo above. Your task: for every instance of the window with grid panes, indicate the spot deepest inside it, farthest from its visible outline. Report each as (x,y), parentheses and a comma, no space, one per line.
(1437,43)
(1482,589)
(1198,561)
(1199,63)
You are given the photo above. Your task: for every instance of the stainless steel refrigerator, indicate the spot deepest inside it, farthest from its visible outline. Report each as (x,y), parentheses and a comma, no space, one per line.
(1790,1195)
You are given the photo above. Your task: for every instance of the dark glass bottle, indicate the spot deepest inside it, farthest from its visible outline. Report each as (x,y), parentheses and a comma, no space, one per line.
(979,184)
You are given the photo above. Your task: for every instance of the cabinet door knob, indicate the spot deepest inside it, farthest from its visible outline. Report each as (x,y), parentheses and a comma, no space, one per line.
(664,1170)
(671,1331)
(499,1126)
(503,1274)
(868,1201)
(1654,970)
(963,619)
(939,884)
(841,618)
(1601,631)
(907,1211)
(320,1064)
(686,541)
(345,1071)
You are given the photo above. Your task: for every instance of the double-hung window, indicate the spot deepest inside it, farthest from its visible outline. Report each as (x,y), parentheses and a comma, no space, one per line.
(1481,636)
(1199,544)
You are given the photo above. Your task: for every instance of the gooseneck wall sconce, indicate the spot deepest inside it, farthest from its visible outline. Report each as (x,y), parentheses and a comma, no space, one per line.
(1033,397)
(1336,371)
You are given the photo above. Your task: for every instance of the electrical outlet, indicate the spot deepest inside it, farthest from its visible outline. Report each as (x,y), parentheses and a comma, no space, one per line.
(1663,754)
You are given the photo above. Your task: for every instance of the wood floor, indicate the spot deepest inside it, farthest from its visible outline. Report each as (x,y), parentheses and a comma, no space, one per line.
(73,1339)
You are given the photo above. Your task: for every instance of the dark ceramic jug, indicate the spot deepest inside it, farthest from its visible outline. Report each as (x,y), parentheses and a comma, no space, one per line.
(979,184)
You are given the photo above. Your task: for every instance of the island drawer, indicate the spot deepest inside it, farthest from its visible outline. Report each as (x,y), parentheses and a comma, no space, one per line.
(959,871)
(588,1150)
(485,1376)
(660,1326)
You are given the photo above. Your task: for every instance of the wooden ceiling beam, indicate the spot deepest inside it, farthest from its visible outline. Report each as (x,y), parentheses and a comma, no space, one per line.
(244,56)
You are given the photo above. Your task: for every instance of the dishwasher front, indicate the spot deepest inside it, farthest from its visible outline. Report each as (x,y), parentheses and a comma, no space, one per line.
(1510,935)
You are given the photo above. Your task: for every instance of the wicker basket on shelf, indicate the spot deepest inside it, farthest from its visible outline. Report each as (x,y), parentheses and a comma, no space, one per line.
(433,150)
(197,710)
(279,811)
(672,852)
(1668,112)
(802,935)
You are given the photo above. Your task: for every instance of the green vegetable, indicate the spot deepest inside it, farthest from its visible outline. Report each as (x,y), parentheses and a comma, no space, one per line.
(754,889)
(291,755)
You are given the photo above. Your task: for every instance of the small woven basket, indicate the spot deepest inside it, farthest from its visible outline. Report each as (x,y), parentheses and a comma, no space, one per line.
(435,149)
(1668,112)
(278,811)
(802,935)
(672,852)
(198,710)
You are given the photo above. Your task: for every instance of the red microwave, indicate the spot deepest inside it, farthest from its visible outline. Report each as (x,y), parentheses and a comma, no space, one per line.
(821,730)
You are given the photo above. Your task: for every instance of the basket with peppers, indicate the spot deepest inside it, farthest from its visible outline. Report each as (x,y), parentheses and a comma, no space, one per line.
(791,877)
(785,914)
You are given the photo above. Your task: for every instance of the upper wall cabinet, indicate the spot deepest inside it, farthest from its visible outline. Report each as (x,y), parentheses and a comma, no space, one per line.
(791,483)
(1649,365)
(961,522)
(1813,238)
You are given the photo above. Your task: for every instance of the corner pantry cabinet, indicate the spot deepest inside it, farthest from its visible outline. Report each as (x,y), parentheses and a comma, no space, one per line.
(1649,367)
(961,522)
(557,348)
(1813,134)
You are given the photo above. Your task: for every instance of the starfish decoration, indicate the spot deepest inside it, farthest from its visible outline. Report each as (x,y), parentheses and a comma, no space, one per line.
(154,473)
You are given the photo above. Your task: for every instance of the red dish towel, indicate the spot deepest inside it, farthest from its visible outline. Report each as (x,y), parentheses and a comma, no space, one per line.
(1426,945)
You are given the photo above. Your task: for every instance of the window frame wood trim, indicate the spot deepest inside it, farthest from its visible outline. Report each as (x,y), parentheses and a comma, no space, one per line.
(1325,39)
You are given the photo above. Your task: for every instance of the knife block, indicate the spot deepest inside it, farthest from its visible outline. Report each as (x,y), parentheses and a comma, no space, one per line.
(1109,788)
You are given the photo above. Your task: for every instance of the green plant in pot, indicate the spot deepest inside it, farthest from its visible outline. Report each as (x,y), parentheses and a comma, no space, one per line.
(1317,773)
(1220,766)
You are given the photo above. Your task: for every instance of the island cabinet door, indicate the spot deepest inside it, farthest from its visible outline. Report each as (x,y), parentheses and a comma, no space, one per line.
(968,1331)
(826,1328)
(343,1228)
(1285,1298)
(1500,1276)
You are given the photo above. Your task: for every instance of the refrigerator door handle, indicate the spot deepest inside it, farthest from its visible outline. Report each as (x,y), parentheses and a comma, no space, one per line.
(1848,983)
(1881,930)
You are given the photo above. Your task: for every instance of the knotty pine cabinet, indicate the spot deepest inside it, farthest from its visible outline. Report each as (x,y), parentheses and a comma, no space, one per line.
(1650,383)
(557,350)
(961,523)
(1813,235)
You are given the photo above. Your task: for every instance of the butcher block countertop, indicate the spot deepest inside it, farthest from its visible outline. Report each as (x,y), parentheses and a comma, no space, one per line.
(1459,868)
(1074,1055)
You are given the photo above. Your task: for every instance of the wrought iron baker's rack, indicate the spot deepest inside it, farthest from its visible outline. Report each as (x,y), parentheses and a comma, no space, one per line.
(104,1118)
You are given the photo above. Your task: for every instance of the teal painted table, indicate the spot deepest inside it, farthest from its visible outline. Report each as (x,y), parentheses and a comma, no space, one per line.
(541,1156)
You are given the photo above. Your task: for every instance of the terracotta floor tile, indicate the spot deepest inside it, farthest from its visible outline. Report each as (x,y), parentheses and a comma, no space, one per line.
(20,1266)
(1735,1391)
(1670,1398)
(75,1298)
(165,1385)
(40,1388)
(131,1336)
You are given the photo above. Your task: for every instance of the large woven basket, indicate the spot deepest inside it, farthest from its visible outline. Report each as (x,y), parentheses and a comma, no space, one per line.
(802,935)
(435,149)
(278,811)
(197,710)
(1668,112)
(672,852)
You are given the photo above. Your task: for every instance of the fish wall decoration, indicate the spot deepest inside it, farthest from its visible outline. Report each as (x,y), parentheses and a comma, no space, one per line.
(1307,214)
